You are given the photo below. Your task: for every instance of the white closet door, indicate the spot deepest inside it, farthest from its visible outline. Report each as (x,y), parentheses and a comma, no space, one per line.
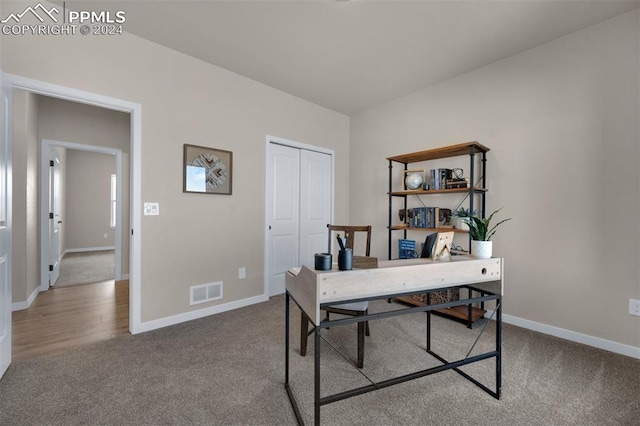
(298,208)
(283,200)
(315,204)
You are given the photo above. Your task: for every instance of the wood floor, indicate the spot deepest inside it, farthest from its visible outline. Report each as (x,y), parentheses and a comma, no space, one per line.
(63,318)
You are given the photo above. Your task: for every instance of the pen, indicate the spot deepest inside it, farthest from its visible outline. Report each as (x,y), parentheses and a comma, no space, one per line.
(340,241)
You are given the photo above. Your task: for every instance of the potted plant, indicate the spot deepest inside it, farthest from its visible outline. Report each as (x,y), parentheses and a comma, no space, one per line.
(481,232)
(459,215)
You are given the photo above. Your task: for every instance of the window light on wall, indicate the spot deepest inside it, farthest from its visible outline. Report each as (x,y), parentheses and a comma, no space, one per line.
(112,216)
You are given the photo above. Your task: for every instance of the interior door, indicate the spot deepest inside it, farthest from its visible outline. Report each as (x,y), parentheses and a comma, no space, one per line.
(5,231)
(54,217)
(282,210)
(315,204)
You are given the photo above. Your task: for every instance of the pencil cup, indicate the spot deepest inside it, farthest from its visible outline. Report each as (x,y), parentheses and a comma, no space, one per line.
(345,259)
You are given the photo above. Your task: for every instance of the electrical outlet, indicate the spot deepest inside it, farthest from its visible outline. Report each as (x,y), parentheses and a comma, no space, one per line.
(242,273)
(634,307)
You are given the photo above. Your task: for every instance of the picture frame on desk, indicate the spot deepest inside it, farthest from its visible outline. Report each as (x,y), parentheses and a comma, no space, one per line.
(442,247)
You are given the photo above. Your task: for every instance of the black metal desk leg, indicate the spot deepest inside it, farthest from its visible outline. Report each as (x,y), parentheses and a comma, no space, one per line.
(428,325)
(286,340)
(499,347)
(469,310)
(316,376)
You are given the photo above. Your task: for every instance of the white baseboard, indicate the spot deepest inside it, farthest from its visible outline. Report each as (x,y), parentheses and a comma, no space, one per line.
(19,306)
(80,250)
(573,336)
(200,313)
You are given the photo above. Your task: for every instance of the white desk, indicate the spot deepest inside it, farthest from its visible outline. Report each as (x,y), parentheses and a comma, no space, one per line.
(311,290)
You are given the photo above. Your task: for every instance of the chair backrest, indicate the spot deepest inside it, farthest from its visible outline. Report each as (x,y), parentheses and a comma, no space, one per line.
(349,233)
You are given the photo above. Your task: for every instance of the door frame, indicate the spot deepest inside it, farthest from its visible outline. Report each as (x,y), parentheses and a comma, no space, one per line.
(6,208)
(135,111)
(269,140)
(47,146)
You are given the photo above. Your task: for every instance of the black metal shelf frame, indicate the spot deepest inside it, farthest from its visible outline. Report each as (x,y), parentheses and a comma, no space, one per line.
(473,151)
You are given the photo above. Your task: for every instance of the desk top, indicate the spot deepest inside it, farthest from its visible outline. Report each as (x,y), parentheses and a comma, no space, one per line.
(311,288)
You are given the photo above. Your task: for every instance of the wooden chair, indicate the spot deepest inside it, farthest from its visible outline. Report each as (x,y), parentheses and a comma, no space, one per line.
(352,309)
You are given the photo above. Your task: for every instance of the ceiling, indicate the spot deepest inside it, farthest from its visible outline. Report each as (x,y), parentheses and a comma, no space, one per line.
(352,55)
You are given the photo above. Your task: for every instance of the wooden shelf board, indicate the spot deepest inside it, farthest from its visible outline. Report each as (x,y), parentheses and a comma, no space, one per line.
(436,191)
(406,228)
(458,312)
(444,152)
(462,313)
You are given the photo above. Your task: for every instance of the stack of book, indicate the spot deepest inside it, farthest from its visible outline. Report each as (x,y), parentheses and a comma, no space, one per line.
(443,179)
(423,217)
(439,178)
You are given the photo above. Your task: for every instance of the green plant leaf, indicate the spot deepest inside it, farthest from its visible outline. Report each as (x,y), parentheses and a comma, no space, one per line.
(480,229)
(493,230)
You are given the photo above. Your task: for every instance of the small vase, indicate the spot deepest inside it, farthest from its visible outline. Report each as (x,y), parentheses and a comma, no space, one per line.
(481,249)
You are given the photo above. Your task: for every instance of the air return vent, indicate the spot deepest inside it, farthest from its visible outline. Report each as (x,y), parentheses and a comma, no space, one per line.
(206,292)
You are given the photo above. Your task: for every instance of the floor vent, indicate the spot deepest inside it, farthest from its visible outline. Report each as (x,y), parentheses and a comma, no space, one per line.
(206,292)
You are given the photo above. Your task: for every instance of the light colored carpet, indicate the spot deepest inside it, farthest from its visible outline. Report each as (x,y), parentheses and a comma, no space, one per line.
(228,369)
(86,267)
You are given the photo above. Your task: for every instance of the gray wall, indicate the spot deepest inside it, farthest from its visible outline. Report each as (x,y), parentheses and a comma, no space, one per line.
(562,124)
(197,238)
(561,120)
(87,204)
(25,236)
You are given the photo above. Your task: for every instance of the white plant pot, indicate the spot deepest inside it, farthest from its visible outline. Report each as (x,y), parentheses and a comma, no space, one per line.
(481,249)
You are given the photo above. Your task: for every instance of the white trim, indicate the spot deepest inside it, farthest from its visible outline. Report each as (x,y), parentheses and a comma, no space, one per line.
(286,142)
(135,111)
(201,313)
(135,241)
(573,336)
(69,94)
(83,249)
(6,209)
(19,306)
(299,145)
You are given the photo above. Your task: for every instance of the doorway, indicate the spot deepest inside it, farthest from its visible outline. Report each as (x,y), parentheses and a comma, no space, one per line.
(10,82)
(83,221)
(298,207)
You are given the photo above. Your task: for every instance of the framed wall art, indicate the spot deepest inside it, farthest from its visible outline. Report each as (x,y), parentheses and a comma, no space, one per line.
(207,170)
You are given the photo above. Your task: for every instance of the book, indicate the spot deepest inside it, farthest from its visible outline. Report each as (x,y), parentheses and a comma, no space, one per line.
(444,176)
(406,248)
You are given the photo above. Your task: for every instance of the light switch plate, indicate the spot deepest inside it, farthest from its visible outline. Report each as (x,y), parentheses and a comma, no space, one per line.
(151,209)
